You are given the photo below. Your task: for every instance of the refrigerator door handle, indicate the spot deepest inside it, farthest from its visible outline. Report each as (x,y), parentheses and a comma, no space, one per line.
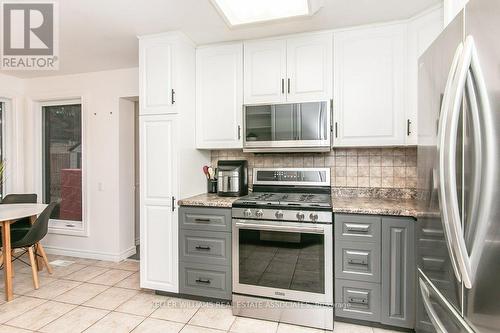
(469,63)
(438,324)
(442,145)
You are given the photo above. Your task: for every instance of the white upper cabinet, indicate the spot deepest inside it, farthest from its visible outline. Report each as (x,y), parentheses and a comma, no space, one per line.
(369,86)
(156,76)
(293,70)
(219,96)
(309,68)
(265,71)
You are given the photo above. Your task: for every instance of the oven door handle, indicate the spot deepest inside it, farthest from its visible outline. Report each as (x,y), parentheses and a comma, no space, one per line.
(279,227)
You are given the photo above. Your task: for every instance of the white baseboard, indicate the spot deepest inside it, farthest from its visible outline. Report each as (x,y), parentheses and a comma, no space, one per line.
(90,254)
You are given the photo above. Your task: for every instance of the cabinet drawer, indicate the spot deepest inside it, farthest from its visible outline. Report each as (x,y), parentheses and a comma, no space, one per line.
(357,261)
(357,228)
(206,247)
(361,300)
(201,218)
(205,280)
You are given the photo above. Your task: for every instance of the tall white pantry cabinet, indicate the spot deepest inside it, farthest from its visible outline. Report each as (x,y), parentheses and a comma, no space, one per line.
(170,164)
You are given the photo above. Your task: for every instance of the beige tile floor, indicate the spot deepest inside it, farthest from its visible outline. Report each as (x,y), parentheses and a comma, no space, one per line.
(100,296)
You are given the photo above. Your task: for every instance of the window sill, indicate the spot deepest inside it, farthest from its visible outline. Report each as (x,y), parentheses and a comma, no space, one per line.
(71,228)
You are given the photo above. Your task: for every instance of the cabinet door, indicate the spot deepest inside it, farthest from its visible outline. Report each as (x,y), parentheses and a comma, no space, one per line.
(156,77)
(159,223)
(219,96)
(369,86)
(309,68)
(398,272)
(265,71)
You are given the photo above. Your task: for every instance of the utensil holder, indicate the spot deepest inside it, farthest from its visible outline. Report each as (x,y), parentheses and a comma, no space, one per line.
(212,185)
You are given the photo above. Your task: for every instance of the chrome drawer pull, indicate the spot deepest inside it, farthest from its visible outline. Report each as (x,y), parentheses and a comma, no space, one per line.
(207,281)
(357,262)
(203,248)
(357,228)
(356,300)
(202,220)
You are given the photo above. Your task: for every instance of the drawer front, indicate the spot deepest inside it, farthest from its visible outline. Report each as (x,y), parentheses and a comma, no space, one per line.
(357,228)
(201,218)
(205,247)
(205,280)
(357,261)
(361,300)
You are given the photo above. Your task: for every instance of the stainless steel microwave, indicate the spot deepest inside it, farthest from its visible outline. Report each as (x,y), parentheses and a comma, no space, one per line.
(296,127)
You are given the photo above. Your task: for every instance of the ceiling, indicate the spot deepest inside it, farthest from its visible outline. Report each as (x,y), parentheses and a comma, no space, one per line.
(100,35)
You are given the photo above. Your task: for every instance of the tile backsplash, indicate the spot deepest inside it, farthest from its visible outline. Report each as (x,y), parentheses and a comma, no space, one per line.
(394,168)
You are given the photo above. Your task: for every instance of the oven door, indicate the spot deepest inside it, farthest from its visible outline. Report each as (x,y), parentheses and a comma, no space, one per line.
(283,260)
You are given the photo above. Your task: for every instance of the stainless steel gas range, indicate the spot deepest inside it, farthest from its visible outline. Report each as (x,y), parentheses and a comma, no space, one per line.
(283,248)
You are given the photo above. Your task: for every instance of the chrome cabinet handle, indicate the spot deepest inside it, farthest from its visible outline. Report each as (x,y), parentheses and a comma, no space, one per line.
(201,220)
(360,228)
(408,127)
(357,262)
(204,281)
(357,300)
(173,203)
(336,130)
(173,96)
(288,85)
(239,132)
(203,248)
(282,86)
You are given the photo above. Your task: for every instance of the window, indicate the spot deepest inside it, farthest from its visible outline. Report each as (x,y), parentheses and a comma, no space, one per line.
(2,153)
(62,163)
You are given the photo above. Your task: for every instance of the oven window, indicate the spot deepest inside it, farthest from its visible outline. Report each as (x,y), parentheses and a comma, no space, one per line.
(285,260)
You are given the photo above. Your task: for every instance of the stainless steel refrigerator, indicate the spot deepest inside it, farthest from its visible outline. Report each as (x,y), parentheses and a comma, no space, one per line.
(458,233)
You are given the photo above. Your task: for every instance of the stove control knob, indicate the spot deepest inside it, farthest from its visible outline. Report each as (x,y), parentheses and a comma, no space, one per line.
(259,213)
(313,217)
(279,214)
(300,216)
(247,213)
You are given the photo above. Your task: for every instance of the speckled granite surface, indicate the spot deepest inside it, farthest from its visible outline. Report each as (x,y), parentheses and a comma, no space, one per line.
(346,205)
(208,200)
(376,206)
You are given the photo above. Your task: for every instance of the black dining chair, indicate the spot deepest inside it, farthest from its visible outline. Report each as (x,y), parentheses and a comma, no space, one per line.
(25,223)
(29,239)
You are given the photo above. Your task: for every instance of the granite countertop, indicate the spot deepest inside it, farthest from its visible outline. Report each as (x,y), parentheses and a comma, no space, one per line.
(375,206)
(346,205)
(208,200)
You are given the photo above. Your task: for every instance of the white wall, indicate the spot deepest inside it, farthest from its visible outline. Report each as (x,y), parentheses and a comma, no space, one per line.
(101,92)
(12,92)
(126,181)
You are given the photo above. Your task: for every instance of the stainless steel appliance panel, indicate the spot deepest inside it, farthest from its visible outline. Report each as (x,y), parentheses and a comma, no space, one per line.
(482,301)
(283,260)
(434,255)
(287,127)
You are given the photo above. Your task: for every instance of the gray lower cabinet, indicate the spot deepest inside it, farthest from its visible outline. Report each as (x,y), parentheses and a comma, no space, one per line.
(398,272)
(375,269)
(205,252)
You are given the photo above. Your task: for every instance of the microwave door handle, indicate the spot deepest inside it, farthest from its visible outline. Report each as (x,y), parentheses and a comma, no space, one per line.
(299,123)
(321,124)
